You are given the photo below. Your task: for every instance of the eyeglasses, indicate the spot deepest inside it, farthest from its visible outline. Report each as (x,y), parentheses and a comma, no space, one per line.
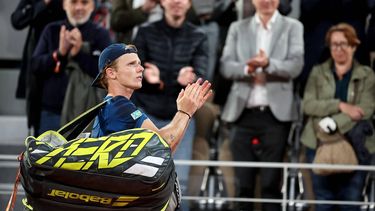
(341,45)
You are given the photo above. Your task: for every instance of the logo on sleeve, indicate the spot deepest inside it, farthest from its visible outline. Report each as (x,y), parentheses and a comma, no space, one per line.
(136,114)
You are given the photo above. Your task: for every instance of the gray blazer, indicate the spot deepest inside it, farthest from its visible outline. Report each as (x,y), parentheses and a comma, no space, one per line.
(285,64)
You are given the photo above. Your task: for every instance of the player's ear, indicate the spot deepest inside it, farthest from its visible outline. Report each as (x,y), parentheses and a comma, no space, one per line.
(110,72)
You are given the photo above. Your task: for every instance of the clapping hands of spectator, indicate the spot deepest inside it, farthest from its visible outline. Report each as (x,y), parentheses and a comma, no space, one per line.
(256,63)
(151,73)
(261,59)
(64,44)
(75,39)
(186,76)
(70,41)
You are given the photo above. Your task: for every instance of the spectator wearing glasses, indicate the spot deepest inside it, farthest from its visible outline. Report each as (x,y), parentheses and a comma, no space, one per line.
(339,98)
(358,14)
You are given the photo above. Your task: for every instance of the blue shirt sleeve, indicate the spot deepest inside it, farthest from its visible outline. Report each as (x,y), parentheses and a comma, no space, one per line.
(119,114)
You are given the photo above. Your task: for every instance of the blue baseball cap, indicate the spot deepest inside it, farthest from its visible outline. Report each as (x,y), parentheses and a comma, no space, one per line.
(109,55)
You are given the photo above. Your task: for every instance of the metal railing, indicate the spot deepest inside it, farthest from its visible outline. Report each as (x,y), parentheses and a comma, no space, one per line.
(285,201)
(11,161)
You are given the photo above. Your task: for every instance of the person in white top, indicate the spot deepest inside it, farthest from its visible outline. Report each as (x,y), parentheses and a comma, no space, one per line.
(262,56)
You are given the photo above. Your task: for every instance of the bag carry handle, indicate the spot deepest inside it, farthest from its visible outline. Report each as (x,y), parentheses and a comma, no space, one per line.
(13,196)
(75,127)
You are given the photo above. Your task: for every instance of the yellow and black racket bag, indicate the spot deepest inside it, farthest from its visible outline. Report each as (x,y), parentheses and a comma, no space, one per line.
(127,170)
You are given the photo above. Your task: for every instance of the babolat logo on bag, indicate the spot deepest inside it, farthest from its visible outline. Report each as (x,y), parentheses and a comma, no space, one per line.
(61,195)
(127,169)
(76,196)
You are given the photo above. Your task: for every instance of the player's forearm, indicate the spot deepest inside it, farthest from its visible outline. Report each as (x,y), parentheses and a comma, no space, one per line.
(175,130)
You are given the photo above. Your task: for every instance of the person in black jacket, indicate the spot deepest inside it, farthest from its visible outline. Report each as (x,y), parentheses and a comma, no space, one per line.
(76,41)
(174,53)
(35,14)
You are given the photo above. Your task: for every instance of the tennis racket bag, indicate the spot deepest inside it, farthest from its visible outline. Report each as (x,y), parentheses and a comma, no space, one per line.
(127,170)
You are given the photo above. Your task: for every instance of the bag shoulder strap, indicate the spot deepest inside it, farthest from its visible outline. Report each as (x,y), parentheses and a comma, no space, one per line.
(73,128)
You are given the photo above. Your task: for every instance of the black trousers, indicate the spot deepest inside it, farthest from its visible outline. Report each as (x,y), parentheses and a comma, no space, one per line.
(272,136)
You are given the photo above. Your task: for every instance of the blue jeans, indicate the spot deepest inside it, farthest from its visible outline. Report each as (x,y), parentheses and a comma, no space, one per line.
(49,121)
(342,187)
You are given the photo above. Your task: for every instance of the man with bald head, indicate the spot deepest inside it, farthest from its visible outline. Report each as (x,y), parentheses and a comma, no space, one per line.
(72,44)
